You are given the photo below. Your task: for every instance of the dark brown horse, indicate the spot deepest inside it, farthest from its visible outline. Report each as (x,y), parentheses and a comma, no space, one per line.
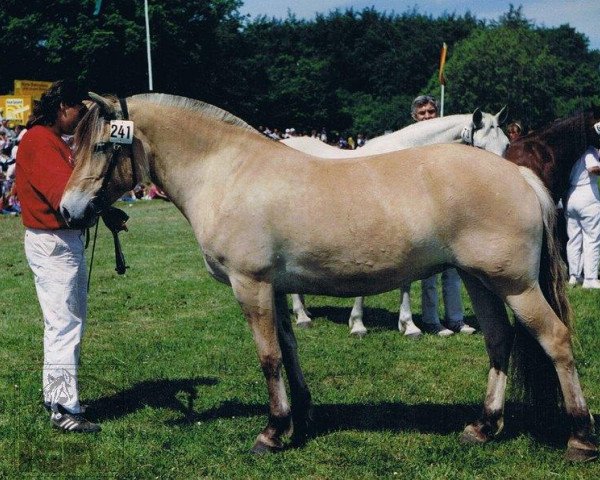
(551,151)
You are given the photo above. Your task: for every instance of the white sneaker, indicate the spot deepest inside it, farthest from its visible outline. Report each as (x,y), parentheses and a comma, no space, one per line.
(461,327)
(437,329)
(573,280)
(591,283)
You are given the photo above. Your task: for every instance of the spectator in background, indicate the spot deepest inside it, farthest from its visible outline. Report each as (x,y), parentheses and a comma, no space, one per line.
(153,192)
(582,211)
(425,107)
(323,135)
(514,131)
(6,128)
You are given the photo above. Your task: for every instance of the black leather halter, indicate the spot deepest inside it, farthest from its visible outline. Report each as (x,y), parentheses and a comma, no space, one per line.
(114,158)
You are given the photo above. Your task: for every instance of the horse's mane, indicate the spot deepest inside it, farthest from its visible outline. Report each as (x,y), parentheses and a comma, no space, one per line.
(575,125)
(205,109)
(90,127)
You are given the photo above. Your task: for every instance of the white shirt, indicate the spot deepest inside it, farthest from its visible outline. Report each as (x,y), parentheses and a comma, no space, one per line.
(579,172)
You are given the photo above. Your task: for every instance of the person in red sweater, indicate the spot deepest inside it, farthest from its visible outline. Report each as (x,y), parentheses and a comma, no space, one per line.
(55,252)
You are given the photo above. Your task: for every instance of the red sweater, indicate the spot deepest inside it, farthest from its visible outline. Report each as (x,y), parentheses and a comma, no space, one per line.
(44,166)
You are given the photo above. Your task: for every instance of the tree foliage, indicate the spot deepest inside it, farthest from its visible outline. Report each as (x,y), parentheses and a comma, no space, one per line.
(348,70)
(539,73)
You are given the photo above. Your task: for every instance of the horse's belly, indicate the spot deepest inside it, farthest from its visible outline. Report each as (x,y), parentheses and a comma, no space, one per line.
(368,281)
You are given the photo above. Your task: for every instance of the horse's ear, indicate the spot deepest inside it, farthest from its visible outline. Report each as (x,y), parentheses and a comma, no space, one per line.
(477,118)
(106,108)
(502,115)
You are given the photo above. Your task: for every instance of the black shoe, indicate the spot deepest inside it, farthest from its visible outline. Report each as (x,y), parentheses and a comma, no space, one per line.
(72,422)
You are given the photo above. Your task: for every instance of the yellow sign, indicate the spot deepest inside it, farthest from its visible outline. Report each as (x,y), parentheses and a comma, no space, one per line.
(33,88)
(16,108)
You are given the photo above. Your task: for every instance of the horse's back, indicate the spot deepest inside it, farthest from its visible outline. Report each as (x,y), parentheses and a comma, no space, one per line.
(413,199)
(314,146)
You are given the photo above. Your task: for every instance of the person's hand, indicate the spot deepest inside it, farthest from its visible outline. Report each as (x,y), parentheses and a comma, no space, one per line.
(115,219)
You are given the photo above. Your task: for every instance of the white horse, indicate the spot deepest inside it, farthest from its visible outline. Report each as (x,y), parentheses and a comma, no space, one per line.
(480,129)
(271,220)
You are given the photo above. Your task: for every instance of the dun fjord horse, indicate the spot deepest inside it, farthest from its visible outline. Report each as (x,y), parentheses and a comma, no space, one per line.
(271,220)
(479,129)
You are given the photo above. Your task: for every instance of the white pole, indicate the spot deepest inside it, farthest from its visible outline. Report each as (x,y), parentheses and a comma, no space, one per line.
(442,101)
(150,86)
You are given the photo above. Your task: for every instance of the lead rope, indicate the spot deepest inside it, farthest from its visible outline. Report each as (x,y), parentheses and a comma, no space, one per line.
(92,257)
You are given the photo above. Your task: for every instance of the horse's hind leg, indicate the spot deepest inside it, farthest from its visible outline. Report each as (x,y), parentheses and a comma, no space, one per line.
(498,334)
(302,315)
(534,312)
(355,322)
(405,320)
(301,400)
(257,302)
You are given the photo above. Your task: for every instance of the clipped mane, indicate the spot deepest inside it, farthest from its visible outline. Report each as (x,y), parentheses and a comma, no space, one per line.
(90,127)
(205,109)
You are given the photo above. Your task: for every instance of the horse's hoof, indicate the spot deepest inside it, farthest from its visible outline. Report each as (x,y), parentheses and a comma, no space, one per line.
(304,324)
(359,333)
(581,451)
(303,426)
(260,448)
(414,335)
(581,454)
(473,436)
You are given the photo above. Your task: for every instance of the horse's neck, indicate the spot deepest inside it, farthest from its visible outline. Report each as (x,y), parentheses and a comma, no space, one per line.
(438,130)
(566,146)
(181,169)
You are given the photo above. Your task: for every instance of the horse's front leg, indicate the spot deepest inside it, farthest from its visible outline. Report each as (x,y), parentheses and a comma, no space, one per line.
(302,315)
(355,322)
(257,302)
(301,400)
(405,320)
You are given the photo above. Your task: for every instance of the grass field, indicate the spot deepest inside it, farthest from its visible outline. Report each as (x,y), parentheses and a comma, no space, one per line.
(170,370)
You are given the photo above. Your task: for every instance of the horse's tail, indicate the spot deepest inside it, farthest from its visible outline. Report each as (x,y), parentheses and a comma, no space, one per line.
(534,375)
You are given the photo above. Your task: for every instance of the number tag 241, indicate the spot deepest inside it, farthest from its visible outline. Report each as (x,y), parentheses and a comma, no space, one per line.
(121,131)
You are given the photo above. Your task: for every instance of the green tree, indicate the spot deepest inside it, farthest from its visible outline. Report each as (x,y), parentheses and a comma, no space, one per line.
(190,38)
(512,63)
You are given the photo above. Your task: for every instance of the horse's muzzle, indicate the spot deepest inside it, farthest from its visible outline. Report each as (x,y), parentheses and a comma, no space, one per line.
(88,217)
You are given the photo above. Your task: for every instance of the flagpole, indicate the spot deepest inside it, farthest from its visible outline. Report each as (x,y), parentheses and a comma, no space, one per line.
(442,78)
(150,85)
(442,101)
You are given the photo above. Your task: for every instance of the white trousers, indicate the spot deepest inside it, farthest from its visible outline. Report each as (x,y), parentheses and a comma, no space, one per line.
(56,258)
(451,295)
(583,228)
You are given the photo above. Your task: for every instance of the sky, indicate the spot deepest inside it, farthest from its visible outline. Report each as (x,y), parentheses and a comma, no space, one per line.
(583,15)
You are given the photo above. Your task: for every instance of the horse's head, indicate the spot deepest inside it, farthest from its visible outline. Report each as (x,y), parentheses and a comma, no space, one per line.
(485,132)
(104,167)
